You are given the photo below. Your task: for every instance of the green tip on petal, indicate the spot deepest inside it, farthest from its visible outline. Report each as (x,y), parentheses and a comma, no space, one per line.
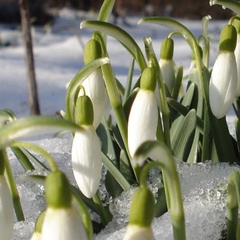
(92,51)
(142,208)
(167,48)
(58,193)
(39,222)
(148,79)
(228,38)
(84,111)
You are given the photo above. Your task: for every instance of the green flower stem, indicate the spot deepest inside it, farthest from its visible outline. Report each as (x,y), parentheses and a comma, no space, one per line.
(13,188)
(85,216)
(38,149)
(105,216)
(160,152)
(233,203)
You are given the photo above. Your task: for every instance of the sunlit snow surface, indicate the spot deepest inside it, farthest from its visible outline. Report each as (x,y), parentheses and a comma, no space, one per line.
(203,189)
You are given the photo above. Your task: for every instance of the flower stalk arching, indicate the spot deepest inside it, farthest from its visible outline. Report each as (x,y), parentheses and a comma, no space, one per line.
(162,157)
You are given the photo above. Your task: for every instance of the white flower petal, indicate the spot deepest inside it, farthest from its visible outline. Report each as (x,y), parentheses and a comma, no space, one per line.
(223,84)
(6,210)
(62,224)
(86,161)
(135,232)
(168,74)
(36,236)
(143,118)
(95,89)
(237,55)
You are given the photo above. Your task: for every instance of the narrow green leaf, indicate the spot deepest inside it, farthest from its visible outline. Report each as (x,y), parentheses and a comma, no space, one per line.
(122,36)
(182,138)
(34,125)
(106,10)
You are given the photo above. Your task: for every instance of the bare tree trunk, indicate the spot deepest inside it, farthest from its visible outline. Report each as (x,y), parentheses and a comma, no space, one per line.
(31,79)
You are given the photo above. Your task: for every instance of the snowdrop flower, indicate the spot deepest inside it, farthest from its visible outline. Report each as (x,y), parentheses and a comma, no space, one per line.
(237,55)
(94,83)
(141,216)
(166,63)
(86,150)
(6,206)
(143,117)
(61,220)
(223,82)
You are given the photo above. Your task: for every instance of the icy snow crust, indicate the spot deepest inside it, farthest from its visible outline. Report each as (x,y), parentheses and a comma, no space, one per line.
(203,186)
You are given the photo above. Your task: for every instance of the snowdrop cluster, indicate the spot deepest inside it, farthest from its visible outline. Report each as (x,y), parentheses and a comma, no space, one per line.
(153,122)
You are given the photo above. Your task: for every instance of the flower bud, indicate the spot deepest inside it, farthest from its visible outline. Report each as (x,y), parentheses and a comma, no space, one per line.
(166,63)
(84,111)
(94,84)
(224,77)
(61,220)
(141,215)
(143,116)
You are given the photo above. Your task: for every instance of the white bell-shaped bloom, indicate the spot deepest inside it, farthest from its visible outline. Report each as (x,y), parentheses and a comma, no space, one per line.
(6,210)
(237,55)
(62,224)
(136,232)
(143,119)
(86,160)
(95,89)
(168,73)
(223,84)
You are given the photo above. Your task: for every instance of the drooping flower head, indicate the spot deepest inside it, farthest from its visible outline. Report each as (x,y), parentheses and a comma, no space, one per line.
(166,63)
(143,117)
(6,205)
(223,82)
(86,149)
(141,215)
(94,83)
(61,220)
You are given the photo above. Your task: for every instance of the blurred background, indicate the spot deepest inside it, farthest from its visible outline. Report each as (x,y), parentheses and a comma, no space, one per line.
(43,11)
